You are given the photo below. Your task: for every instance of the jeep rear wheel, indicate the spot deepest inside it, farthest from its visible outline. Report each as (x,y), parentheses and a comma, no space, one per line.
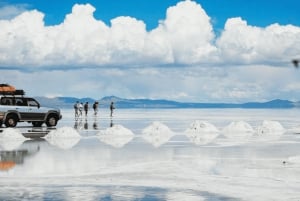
(11,120)
(51,120)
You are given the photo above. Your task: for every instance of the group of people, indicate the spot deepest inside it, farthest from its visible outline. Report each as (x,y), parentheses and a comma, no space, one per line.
(79,107)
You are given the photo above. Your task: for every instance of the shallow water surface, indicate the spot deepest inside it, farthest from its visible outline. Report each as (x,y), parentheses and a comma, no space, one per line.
(183,155)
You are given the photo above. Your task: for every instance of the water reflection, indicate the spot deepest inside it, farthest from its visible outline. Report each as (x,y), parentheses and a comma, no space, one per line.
(111,122)
(112,193)
(94,171)
(10,159)
(82,123)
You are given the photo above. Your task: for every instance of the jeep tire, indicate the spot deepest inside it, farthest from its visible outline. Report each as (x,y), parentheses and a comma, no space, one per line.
(11,120)
(51,120)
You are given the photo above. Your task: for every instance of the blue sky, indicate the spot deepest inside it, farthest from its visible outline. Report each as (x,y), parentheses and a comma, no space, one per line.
(256,12)
(204,51)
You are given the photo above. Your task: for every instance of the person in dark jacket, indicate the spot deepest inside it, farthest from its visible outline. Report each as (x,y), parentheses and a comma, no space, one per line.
(86,108)
(95,107)
(112,107)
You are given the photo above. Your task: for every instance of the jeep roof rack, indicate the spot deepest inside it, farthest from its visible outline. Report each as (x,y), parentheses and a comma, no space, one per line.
(18,92)
(6,89)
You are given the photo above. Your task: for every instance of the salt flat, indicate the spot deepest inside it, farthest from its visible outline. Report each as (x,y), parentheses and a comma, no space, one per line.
(174,154)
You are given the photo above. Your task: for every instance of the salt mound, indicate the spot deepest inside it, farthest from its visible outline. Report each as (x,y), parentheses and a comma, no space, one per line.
(11,139)
(202,126)
(270,127)
(11,133)
(238,128)
(294,159)
(64,138)
(157,134)
(201,132)
(117,136)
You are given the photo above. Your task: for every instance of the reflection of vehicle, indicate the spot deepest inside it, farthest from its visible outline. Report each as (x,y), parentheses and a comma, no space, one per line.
(14,107)
(9,159)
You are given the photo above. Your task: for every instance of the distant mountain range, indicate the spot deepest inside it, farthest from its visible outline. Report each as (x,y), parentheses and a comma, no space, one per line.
(68,102)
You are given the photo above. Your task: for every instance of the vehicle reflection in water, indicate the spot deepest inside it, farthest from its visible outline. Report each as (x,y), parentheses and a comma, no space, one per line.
(37,132)
(10,159)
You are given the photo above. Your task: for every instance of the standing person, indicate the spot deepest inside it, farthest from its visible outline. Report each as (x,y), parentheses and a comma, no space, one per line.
(86,108)
(80,109)
(112,107)
(95,107)
(76,108)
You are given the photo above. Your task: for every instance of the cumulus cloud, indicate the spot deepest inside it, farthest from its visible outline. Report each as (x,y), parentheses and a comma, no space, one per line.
(242,43)
(185,37)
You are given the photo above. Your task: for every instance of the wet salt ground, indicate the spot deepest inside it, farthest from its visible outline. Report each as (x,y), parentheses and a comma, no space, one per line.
(161,166)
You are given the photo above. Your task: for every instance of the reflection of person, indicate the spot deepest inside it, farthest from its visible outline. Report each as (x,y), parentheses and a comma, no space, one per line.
(80,108)
(111,123)
(112,107)
(86,108)
(76,108)
(86,125)
(95,107)
(78,124)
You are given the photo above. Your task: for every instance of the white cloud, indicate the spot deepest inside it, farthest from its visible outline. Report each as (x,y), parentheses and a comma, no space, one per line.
(242,43)
(213,70)
(185,37)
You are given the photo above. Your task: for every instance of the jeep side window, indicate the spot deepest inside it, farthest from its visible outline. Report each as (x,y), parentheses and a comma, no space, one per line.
(33,103)
(20,102)
(6,101)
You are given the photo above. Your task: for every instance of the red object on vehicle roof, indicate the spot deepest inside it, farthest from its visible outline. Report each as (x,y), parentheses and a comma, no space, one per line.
(7,88)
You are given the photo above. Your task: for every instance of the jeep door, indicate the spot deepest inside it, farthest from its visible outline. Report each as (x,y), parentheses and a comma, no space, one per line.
(20,105)
(34,112)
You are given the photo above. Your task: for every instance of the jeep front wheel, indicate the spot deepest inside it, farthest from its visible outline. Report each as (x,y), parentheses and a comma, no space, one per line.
(11,121)
(51,120)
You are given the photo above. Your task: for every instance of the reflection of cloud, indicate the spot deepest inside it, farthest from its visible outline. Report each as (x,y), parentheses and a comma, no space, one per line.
(201,132)
(117,136)
(11,139)
(64,138)
(157,134)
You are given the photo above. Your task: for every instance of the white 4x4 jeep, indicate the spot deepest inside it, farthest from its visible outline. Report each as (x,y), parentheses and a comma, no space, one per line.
(14,109)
